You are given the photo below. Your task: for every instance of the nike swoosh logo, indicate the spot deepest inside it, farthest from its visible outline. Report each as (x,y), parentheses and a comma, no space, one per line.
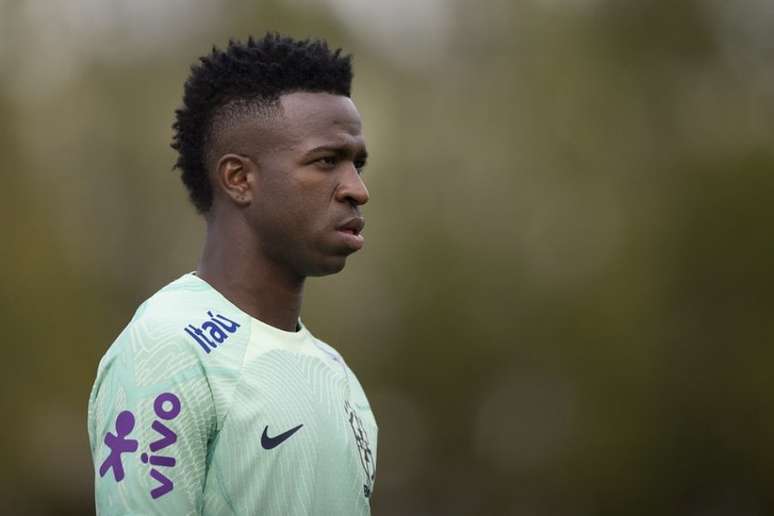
(272,442)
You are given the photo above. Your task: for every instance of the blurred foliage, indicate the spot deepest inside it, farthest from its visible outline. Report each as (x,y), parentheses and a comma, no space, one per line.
(564,306)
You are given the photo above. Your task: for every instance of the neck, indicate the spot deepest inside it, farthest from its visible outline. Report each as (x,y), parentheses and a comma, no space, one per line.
(246,277)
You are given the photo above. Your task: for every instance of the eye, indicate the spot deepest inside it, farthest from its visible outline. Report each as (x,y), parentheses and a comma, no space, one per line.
(327,162)
(360,165)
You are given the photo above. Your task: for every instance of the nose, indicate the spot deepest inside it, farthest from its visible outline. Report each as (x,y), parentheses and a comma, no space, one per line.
(352,188)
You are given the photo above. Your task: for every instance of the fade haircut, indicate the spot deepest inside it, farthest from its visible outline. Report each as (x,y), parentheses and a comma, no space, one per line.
(247,79)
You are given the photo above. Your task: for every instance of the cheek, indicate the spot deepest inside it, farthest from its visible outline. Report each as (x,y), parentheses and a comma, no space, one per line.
(309,200)
(291,217)
(296,204)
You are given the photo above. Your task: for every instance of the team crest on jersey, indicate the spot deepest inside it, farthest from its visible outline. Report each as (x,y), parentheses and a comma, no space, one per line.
(363,448)
(212,332)
(167,407)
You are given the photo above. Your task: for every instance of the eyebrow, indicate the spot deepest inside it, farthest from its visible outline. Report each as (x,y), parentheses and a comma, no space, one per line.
(339,149)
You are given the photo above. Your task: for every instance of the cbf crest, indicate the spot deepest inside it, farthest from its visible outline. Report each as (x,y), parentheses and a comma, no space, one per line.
(363,448)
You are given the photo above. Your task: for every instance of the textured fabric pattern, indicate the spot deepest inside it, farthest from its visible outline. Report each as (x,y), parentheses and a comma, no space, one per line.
(200,409)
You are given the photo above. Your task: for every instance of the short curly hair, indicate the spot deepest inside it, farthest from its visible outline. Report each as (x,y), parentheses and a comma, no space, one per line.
(246,78)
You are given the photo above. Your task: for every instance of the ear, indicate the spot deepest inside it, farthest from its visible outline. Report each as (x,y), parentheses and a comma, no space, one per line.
(235,176)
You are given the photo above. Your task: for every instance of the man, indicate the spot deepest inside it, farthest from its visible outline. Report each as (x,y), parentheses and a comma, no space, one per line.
(216,399)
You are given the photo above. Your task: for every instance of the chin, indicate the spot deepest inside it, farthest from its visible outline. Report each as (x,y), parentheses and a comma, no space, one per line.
(331,265)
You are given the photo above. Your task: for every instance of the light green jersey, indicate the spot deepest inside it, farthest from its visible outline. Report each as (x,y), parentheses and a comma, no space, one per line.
(199,408)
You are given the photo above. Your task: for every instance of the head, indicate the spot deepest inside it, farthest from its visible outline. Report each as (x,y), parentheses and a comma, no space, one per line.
(270,144)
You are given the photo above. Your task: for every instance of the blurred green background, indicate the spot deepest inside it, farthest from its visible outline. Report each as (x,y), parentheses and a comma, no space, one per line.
(564,306)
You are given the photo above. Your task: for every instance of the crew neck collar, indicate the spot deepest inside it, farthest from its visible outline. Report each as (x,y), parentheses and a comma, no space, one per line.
(300,334)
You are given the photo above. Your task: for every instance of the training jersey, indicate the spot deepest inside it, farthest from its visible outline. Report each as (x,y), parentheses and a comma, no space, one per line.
(199,408)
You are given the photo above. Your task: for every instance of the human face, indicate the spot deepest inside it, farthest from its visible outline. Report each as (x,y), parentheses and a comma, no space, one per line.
(308,188)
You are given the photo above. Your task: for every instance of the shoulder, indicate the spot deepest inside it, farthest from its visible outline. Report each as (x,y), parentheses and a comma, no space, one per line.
(328,350)
(180,303)
(175,328)
(357,394)
(185,339)
(334,358)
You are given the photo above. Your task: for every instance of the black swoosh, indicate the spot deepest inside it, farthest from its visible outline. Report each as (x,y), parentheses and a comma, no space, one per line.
(271,442)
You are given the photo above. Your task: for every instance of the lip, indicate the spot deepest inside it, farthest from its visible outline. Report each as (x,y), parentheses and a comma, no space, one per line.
(354,224)
(350,232)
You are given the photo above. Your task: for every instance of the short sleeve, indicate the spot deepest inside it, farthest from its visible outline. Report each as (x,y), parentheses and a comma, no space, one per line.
(151,417)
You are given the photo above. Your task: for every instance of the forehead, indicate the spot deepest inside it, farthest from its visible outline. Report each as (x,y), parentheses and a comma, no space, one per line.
(313,119)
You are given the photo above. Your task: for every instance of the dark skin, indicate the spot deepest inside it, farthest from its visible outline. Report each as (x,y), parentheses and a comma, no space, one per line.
(287,196)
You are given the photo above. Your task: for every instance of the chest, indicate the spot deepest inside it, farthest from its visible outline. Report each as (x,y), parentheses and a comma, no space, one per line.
(302,413)
(298,438)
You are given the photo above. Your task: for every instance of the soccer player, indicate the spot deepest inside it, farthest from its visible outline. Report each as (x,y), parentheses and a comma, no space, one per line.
(216,399)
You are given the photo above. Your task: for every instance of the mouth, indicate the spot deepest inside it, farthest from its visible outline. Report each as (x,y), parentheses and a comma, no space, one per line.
(351,232)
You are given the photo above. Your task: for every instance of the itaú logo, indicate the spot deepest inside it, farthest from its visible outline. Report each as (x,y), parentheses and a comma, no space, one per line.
(212,332)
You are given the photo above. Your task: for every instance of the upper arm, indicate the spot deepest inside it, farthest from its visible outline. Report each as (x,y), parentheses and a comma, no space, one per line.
(151,416)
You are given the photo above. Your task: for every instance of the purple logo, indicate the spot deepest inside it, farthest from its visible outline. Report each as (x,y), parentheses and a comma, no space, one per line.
(118,444)
(213,331)
(167,407)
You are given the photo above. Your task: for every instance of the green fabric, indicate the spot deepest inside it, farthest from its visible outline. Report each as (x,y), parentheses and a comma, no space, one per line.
(209,410)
